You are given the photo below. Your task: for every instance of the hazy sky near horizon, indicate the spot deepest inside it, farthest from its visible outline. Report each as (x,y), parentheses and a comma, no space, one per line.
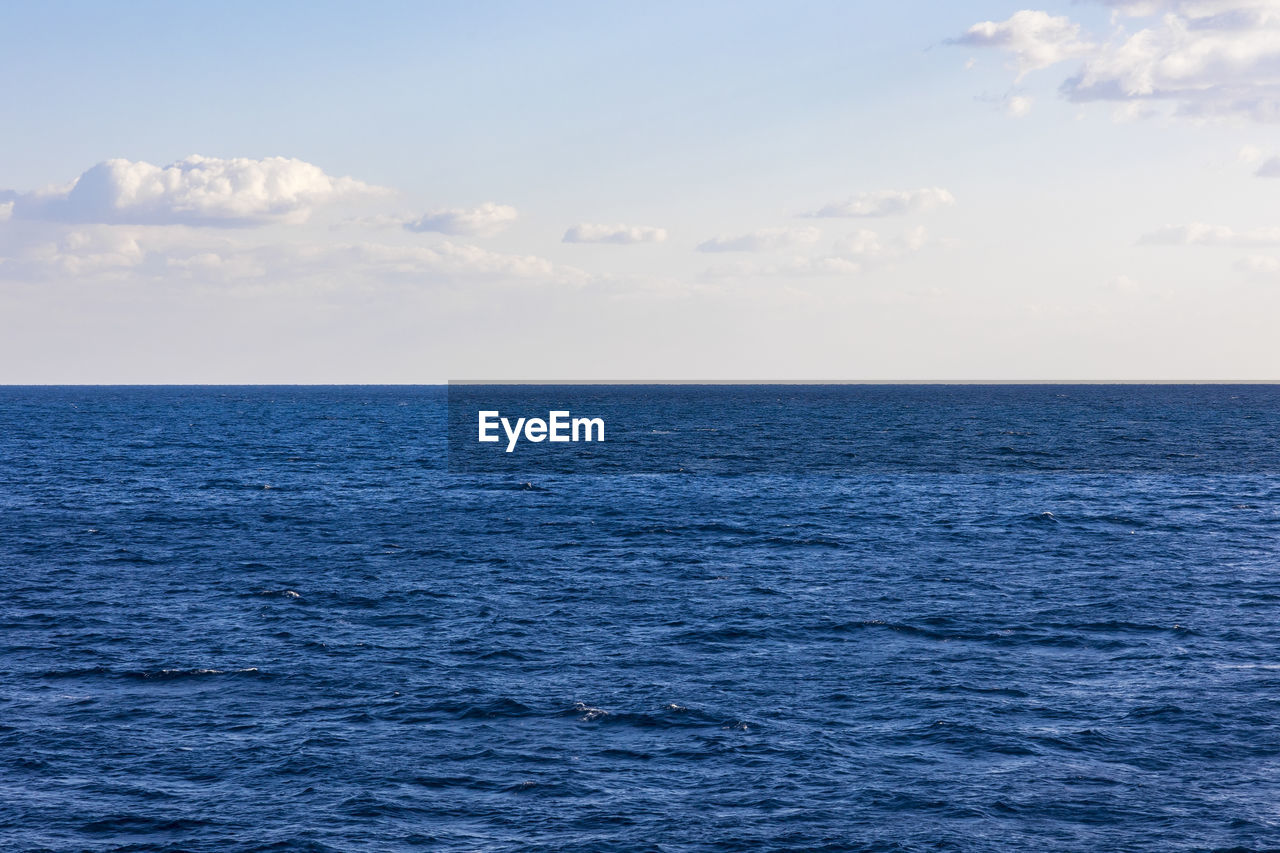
(404,192)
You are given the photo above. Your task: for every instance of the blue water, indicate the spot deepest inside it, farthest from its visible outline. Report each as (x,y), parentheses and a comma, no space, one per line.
(238,619)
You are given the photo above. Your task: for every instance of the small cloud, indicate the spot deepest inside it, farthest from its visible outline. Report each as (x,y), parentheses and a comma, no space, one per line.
(1260,264)
(486,220)
(1200,234)
(1017,105)
(1124,284)
(1133,111)
(615,234)
(6,211)
(762,240)
(1249,155)
(852,255)
(797,267)
(887,203)
(237,192)
(1036,39)
(1270,168)
(866,244)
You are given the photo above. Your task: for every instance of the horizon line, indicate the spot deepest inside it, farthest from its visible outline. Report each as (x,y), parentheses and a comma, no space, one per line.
(535,382)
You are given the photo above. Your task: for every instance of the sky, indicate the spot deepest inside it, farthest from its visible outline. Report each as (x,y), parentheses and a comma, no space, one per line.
(417,192)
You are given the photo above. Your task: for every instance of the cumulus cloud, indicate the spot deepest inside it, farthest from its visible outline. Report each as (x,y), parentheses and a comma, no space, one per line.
(1203,57)
(486,220)
(887,203)
(1200,234)
(237,192)
(616,234)
(1036,39)
(762,240)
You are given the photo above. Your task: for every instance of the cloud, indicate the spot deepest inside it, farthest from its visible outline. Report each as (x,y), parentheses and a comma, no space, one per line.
(1270,168)
(6,210)
(762,240)
(865,244)
(887,203)
(1198,8)
(796,267)
(486,220)
(1260,265)
(617,234)
(196,191)
(1017,105)
(1249,155)
(1199,234)
(1036,39)
(163,255)
(457,261)
(1204,58)
(851,255)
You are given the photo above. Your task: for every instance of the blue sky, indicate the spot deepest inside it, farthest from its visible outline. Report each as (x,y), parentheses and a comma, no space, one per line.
(409,192)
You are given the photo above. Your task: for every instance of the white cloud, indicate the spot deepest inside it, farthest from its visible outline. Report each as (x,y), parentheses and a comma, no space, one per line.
(82,254)
(1270,168)
(1260,264)
(486,220)
(1036,39)
(851,255)
(1200,234)
(1198,8)
(195,191)
(887,203)
(149,253)
(1249,155)
(617,234)
(455,260)
(796,267)
(6,211)
(762,240)
(1204,57)
(865,244)
(1018,105)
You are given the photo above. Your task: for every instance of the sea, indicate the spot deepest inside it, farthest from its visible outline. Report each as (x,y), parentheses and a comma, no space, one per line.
(775,618)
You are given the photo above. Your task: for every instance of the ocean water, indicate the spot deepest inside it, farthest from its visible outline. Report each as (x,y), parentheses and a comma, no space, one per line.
(272,619)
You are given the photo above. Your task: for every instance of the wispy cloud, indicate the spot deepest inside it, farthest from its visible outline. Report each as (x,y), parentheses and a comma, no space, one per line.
(616,234)
(1200,234)
(762,240)
(850,255)
(887,203)
(1263,265)
(147,253)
